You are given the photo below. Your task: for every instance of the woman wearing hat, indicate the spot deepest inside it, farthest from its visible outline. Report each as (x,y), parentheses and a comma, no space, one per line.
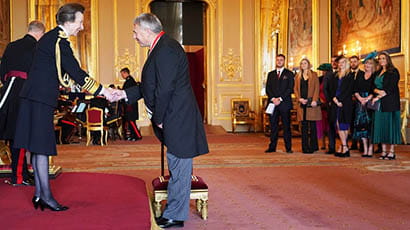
(322,126)
(363,92)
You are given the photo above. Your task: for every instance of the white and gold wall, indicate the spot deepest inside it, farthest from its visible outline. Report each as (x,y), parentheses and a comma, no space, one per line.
(240,45)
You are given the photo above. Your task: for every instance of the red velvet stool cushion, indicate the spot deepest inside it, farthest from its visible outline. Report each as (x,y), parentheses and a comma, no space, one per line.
(161,183)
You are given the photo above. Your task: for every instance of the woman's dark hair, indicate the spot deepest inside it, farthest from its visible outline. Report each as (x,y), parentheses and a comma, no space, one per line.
(66,13)
(389,66)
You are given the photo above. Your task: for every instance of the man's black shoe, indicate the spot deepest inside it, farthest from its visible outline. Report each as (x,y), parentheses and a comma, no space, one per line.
(289,151)
(27,182)
(331,151)
(269,150)
(167,223)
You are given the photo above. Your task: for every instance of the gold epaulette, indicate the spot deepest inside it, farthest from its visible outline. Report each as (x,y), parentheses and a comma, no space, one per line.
(64,80)
(90,85)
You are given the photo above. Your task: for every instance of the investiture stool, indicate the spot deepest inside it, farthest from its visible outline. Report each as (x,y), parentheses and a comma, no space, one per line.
(35,130)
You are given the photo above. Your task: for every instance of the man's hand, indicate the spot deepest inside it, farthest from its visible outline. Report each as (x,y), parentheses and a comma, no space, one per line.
(113,95)
(159,126)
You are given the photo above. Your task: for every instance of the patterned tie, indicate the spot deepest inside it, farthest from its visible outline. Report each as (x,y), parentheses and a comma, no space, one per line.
(278,74)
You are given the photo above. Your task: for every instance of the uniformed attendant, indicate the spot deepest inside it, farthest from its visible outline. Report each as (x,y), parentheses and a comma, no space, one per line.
(35,130)
(130,109)
(16,62)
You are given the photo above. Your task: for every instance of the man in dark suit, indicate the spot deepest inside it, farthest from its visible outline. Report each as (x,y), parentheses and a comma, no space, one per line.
(35,131)
(16,62)
(172,107)
(130,109)
(279,88)
(329,94)
(354,68)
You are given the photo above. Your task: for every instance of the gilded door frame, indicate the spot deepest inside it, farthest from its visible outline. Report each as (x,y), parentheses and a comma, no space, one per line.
(210,54)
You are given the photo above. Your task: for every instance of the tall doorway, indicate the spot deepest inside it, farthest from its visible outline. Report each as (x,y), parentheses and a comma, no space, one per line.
(185,22)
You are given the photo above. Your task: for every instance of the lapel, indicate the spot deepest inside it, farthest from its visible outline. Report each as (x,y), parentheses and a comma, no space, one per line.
(154,52)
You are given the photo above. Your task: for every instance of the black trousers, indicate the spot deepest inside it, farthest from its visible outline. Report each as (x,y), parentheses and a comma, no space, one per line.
(332,132)
(284,114)
(19,170)
(309,136)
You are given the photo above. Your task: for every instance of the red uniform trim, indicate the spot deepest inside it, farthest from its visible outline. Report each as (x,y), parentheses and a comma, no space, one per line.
(20,163)
(15,73)
(134,127)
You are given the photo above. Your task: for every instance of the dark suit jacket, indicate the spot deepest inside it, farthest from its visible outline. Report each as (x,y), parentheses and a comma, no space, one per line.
(167,92)
(42,83)
(282,87)
(131,109)
(390,102)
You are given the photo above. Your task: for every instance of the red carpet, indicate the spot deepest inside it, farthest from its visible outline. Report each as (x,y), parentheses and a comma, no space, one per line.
(96,201)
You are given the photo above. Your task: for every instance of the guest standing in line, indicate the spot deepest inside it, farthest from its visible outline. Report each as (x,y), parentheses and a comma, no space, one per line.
(329,94)
(323,125)
(357,73)
(15,65)
(342,104)
(38,98)
(386,126)
(279,88)
(363,91)
(308,112)
(174,112)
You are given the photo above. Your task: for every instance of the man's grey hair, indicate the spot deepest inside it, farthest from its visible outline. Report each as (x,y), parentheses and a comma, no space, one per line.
(36,26)
(149,21)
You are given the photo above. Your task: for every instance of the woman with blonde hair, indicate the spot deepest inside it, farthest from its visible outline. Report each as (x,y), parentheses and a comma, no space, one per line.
(306,90)
(363,88)
(341,111)
(386,126)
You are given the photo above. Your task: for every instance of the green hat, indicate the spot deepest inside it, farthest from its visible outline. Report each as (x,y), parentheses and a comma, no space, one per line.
(325,67)
(371,55)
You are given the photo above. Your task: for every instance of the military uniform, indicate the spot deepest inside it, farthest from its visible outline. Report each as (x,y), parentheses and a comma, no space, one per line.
(53,58)
(16,62)
(131,111)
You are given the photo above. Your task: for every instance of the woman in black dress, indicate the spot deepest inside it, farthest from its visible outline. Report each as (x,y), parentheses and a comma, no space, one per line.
(363,92)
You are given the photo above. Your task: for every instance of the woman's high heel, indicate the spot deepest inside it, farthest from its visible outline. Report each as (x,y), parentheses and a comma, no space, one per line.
(35,201)
(383,156)
(58,208)
(391,157)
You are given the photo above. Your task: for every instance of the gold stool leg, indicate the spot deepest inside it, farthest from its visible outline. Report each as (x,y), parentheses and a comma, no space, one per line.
(157,208)
(198,205)
(204,209)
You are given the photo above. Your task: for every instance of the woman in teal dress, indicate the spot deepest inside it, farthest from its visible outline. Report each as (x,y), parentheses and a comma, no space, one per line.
(386,126)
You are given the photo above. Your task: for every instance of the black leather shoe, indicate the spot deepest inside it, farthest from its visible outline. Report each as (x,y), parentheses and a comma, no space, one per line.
(36,202)
(167,223)
(289,151)
(28,182)
(331,151)
(58,208)
(269,150)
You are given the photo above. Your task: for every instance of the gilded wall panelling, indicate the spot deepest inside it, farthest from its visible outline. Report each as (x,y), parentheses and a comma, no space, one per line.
(231,66)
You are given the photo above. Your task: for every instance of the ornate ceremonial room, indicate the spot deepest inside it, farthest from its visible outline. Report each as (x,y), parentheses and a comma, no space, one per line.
(304,105)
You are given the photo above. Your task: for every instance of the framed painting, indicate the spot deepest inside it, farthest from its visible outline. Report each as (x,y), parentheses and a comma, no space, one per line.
(4,25)
(299,32)
(359,27)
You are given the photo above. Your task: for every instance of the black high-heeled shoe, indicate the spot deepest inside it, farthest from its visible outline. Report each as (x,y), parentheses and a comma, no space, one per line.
(393,157)
(35,201)
(58,208)
(383,156)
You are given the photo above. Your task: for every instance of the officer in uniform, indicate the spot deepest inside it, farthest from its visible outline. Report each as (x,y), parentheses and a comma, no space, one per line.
(15,65)
(38,99)
(130,110)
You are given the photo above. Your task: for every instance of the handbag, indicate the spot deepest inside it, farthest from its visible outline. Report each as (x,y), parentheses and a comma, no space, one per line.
(309,103)
(373,106)
(362,121)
